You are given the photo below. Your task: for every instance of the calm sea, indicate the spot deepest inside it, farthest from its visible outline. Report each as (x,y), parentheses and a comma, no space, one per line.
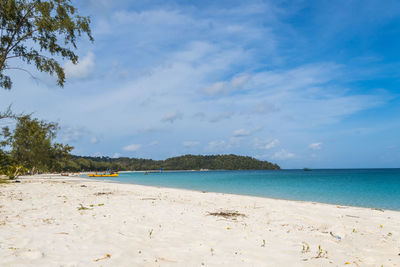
(374,188)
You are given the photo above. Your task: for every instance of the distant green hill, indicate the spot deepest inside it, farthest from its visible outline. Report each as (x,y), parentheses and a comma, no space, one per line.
(186,162)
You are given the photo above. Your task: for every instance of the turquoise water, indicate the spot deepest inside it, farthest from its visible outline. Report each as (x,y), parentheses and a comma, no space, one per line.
(374,188)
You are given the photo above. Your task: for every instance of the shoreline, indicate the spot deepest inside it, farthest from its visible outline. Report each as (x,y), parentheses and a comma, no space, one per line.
(237,194)
(244,195)
(49,219)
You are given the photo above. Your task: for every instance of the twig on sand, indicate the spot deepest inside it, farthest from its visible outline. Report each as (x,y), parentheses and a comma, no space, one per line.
(104,258)
(227,214)
(352,216)
(102,193)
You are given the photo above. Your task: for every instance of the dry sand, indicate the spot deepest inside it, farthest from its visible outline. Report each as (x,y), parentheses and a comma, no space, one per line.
(63,221)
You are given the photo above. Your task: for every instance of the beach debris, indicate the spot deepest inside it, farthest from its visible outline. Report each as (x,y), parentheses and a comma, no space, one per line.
(352,216)
(150,233)
(83,207)
(378,209)
(263,244)
(212,251)
(102,193)
(83,185)
(148,198)
(381,226)
(335,236)
(104,258)
(227,214)
(306,248)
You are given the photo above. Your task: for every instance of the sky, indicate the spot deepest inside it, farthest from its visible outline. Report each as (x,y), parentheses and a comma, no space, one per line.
(298,83)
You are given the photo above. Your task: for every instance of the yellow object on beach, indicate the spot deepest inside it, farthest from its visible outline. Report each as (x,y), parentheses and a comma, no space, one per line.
(104,175)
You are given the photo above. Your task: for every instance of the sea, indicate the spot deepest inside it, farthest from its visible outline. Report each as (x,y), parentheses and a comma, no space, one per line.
(372,188)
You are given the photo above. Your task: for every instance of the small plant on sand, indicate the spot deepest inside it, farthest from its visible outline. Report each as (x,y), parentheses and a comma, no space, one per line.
(263,244)
(150,233)
(306,248)
(321,253)
(212,251)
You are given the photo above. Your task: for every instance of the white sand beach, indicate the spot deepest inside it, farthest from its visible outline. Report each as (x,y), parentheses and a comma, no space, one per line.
(65,221)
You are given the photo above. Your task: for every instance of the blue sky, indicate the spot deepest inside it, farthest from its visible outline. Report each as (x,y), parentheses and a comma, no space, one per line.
(298,83)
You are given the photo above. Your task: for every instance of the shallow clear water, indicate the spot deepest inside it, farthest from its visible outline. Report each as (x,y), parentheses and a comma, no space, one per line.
(375,188)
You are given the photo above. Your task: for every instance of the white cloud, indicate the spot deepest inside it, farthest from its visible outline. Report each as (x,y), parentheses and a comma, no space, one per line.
(81,70)
(226,87)
(132,147)
(116,155)
(149,129)
(315,146)
(94,140)
(190,143)
(172,116)
(73,134)
(265,108)
(220,145)
(282,155)
(153,143)
(241,133)
(222,116)
(272,144)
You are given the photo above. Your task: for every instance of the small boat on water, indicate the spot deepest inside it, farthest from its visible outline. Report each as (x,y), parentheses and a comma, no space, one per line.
(307,169)
(104,174)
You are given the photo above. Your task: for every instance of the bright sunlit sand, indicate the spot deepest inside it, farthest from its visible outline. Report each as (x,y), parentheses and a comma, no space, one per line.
(64,221)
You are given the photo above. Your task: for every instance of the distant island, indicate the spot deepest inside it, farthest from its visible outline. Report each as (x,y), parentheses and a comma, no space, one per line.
(186,162)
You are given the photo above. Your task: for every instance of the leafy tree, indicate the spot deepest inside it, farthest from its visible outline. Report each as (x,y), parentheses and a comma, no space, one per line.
(33,147)
(37,32)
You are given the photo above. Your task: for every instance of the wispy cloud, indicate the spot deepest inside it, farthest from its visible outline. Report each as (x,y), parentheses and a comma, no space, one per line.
(283,155)
(316,146)
(235,84)
(241,133)
(190,143)
(172,116)
(132,147)
(81,70)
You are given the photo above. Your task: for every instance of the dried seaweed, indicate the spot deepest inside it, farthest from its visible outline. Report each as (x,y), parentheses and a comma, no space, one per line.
(227,214)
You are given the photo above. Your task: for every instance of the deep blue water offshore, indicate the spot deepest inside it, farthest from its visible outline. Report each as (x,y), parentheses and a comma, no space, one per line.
(373,188)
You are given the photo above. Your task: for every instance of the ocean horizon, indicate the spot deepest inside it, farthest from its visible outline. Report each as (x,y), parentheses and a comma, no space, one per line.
(370,188)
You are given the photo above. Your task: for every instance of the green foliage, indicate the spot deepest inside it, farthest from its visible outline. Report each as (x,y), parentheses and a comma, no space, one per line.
(32,145)
(5,162)
(13,171)
(187,162)
(37,32)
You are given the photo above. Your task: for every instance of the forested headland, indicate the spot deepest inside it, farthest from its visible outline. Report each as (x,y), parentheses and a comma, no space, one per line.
(186,162)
